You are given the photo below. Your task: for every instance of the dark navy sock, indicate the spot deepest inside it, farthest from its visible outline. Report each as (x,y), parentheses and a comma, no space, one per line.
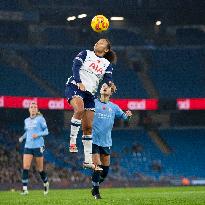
(95,179)
(104,173)
(43,176)
(25,177)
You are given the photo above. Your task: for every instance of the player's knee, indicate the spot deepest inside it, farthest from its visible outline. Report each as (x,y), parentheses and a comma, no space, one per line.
(39,169)
(26,166)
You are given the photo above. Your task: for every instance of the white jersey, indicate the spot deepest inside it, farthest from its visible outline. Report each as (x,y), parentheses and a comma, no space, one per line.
(92,70)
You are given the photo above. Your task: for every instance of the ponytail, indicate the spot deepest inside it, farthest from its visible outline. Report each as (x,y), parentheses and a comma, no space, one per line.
(111,56)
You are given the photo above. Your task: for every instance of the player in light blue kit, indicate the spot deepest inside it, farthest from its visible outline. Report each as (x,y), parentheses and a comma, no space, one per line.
(105,114)
(35,128)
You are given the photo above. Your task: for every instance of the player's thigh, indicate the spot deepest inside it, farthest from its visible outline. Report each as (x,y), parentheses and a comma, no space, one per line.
(75,97)
(39,163)
(105,159)
(38,154)
(77,104)
(96,158)
(27,159)
(87,119)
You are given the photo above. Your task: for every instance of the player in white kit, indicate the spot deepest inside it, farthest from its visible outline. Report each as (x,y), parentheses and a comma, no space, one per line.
(89,69)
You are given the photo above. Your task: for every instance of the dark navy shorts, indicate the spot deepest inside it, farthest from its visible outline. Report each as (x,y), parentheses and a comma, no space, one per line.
(72,90)
(100,150)
(36,152)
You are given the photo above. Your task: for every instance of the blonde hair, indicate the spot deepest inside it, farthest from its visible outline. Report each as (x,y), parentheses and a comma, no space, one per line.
(39,113)
(113,88)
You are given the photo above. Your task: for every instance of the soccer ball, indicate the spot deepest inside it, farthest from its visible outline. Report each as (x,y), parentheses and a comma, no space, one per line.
(99,23)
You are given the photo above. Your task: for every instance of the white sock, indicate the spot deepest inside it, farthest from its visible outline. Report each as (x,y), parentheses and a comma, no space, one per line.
(45,184)
(74,129)
(87,143)
(25,188)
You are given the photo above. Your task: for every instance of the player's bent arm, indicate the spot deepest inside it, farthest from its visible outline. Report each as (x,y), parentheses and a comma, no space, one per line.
(43,133)
(76,68)
(77,63)
(107,78)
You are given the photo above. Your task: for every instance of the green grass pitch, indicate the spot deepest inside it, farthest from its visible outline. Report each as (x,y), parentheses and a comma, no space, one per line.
(118,196)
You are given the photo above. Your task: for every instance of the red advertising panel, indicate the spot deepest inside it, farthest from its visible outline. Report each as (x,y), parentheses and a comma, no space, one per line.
(191,104)
(61,103)
(136,104)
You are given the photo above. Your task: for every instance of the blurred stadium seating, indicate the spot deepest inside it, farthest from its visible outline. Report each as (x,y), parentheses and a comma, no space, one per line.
(190,36)
(173,71)
(15,82)
(135,157)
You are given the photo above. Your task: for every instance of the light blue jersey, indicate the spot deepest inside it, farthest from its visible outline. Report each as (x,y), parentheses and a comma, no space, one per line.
(105,114)
(36,125)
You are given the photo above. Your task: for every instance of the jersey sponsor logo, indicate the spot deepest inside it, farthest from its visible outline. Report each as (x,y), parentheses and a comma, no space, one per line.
(95,66)
(103,116)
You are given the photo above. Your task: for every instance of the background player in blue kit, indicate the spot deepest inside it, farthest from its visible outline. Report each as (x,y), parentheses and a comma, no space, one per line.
(105,114)
(89,69)
(35,128)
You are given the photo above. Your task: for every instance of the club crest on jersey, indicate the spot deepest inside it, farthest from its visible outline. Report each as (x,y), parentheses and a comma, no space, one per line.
(96,67)
(104,107)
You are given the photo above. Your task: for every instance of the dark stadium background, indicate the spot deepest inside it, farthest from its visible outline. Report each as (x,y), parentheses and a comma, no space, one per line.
(161,145)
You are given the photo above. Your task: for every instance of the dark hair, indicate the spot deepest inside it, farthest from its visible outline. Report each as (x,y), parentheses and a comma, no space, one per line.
(110,55)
